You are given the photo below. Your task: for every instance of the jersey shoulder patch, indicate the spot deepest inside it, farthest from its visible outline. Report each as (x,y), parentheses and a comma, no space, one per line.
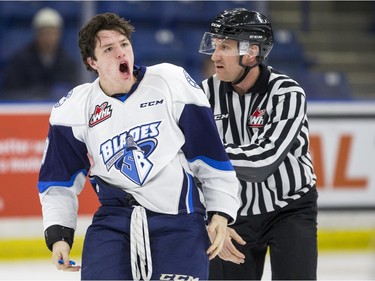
(70,109)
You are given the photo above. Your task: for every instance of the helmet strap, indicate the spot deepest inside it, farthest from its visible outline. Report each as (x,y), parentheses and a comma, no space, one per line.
(247,70)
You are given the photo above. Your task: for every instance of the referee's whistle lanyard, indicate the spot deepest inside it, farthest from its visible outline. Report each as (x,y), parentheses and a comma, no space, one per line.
(140,251)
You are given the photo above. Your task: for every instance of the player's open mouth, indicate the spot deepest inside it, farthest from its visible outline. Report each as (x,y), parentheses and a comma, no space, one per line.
(124,68)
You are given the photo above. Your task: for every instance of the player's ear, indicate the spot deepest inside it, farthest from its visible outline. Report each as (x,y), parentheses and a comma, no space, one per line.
(91,63)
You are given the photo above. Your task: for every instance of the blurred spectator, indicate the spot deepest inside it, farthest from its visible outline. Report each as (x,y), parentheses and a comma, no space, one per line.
(42,70)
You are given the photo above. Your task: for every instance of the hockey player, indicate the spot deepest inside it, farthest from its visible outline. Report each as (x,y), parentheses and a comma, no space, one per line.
(261,117)
(142,135)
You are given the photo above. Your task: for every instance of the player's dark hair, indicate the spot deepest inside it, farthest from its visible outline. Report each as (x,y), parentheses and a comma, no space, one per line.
(88,34)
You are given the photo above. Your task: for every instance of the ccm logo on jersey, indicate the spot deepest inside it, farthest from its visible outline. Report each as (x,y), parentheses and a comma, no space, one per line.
(256,120)
(102,112)
(177,277)
(151,103)
(221,116)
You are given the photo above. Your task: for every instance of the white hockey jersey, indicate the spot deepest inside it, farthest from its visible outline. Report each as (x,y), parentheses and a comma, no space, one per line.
(150,142)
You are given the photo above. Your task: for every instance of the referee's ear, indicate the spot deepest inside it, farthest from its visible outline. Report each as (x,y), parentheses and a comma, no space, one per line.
(251,54)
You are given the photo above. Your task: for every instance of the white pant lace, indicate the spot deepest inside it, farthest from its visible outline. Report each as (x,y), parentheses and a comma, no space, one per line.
(140,245)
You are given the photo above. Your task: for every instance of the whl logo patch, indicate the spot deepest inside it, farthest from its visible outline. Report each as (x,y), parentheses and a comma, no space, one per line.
(256,119)
(102,112)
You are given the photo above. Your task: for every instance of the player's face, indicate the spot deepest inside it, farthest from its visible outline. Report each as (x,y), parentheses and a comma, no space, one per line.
(114,62)
(226,59)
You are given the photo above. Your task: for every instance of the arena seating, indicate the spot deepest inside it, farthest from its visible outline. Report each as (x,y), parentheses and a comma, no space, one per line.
(165,31)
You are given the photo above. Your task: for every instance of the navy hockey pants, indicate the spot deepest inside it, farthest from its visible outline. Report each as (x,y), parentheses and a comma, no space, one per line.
(290,234)
(178,246)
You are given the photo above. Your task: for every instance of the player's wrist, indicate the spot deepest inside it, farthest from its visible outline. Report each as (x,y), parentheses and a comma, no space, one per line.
(56,233)
(210,215)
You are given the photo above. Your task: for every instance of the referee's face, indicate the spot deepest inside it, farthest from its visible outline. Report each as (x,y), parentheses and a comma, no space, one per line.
(226,59)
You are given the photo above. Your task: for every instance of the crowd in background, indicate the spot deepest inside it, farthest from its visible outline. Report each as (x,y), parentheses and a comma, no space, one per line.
(42,69)
(40,59)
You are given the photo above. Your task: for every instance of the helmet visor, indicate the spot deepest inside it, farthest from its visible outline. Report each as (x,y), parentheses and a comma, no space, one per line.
(210,42)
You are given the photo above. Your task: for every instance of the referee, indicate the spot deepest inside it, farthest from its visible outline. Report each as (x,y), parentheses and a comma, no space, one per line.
(260,114)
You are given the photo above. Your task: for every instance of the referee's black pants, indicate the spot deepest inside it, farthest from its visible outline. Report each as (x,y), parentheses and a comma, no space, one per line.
(290,234)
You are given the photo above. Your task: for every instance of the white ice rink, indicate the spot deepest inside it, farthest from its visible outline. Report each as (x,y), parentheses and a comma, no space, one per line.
(332,266)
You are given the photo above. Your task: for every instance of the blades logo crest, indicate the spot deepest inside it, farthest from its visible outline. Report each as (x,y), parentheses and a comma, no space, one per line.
(129,152)
(134,163)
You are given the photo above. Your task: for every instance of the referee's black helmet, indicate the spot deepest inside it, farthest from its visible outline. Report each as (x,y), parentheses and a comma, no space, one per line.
(242,24)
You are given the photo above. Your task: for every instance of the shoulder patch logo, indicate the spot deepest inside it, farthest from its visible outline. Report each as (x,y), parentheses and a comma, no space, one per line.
(256,119)
(191,80)
(102,112)
(63,99)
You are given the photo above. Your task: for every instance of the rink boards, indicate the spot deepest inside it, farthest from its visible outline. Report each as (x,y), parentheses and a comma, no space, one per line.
(342,146)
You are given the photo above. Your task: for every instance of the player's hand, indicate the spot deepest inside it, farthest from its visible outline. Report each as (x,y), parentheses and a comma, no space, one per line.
(229,251)
(216,229)
(60,251)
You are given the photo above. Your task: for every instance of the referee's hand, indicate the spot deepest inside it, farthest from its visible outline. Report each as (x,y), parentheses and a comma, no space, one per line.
(229,251)
(216,229)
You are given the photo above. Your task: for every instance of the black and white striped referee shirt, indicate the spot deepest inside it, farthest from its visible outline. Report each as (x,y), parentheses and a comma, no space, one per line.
(266,136)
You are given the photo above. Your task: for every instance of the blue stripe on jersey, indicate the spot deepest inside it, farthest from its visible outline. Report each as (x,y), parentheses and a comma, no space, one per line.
(197,124)
(219,165)
(189,199)
(189,195)
(44,185)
